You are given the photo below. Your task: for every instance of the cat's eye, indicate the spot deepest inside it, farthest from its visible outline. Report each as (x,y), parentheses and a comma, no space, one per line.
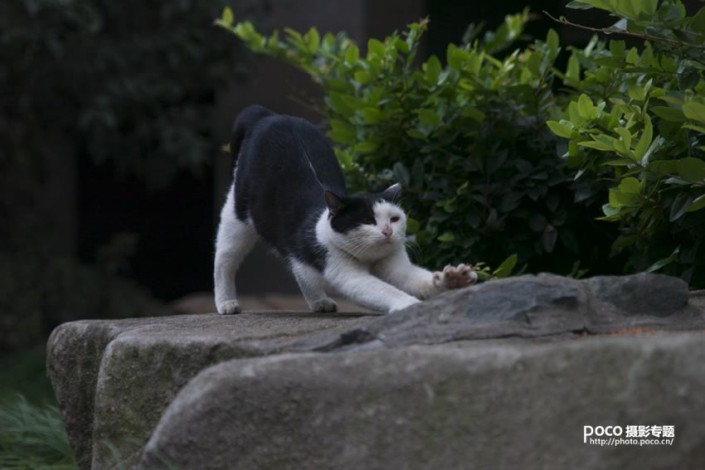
(395,219)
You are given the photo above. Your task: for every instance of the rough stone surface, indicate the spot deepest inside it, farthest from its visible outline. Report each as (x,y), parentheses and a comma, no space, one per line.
(533,306)
(114,379)
(488,404)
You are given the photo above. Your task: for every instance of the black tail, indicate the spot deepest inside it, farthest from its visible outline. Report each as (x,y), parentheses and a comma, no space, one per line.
(243,124)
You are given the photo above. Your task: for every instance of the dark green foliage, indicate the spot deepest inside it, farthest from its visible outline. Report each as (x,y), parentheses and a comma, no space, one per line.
(467,135)
(637,120)
(131,82)
(32,435)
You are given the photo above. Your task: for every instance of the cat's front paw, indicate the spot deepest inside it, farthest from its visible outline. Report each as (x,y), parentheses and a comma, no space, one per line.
(228,307)
(455,277)
(324,305)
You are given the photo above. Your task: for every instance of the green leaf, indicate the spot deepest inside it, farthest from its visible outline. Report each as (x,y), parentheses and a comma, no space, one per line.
(505,269)
(227,17)
(312,40)
(627,194)
(698,203)
(625,135)
(663,262)
(648,7)
(375,47)
(474,114)
(572,73)
(432,69)
(561,129)
(672,100)
(697,22)
(448,205)
(534,63)
(645,141)
(352,54)
(691,169)
(680,205)
(586,108)
(617,48)
(340,103)
(417,134)
(412,225)
(611,213)
(668,113)
(456,57)
(619,162)
(463,188)
(362,77)
(429,117)
(446,237)
(597,145)
(372,115)
(694,111)
(367,146)
(664,167)
(341,132)
(553,42)
(636,91)
(579,5)
(630,185)
(655,145)
(700,129)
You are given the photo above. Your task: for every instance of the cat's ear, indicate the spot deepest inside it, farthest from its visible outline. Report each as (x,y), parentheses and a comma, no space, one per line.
(393,193)
(334,202)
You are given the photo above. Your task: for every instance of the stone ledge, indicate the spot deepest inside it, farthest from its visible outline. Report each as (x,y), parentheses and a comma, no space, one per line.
(114,379)
(480,404)
(98,366)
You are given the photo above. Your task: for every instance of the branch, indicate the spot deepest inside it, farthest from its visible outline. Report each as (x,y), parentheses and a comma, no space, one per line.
(612,30)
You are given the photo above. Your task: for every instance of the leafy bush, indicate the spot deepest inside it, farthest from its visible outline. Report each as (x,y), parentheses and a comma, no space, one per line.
(129,82)
(485,175)
(637,120)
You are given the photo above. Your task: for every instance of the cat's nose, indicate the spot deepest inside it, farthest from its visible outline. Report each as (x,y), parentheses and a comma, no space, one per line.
(387,231)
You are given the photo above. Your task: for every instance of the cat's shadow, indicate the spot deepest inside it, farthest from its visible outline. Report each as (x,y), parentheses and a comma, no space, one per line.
(318,315)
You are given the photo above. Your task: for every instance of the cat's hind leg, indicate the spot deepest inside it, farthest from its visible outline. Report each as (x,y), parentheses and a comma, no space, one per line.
(312,286)
(234,241)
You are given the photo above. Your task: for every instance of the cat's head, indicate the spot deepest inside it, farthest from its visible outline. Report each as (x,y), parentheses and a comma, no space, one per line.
(368,226)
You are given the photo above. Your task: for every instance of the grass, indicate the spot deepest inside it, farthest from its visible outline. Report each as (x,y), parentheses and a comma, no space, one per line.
(32,435)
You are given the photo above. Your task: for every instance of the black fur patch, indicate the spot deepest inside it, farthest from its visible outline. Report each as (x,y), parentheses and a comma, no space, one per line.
(283,165)
(354,212)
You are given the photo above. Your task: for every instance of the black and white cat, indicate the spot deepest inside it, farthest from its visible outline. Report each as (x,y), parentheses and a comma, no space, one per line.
(289,190)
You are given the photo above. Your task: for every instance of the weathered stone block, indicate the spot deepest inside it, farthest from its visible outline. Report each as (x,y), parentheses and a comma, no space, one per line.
(408,390)
(114,378)
(488,404)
